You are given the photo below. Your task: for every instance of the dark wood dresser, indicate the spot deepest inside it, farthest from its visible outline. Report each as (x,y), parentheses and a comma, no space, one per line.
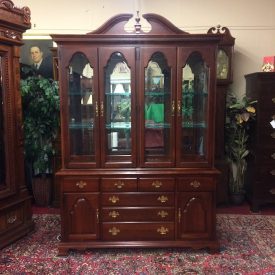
(261,163)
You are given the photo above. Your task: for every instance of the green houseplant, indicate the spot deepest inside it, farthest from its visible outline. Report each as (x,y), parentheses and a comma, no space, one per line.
(40,102)
(240,114)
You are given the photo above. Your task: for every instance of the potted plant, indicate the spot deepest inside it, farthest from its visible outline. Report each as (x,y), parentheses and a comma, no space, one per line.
(40,100)
(239,116)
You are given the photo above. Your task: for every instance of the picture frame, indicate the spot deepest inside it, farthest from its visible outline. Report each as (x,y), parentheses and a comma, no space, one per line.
(45,46)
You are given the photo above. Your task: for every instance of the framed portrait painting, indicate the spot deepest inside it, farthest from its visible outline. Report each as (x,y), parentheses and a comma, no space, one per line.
(36,55)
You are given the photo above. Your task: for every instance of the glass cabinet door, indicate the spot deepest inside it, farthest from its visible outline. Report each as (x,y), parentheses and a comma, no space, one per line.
(116,107)
(2,132)
(158,107)
(82,110)
(193,108)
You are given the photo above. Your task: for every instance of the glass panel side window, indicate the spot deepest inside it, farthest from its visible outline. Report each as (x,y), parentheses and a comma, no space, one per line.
(194,93)
(82,107)
(157,109)
(2,131)
(222,64)
(118,105)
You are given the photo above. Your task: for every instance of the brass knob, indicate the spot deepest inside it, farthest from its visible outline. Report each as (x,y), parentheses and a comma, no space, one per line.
(163,214)
(12,219)
(272,191)
(272,172)
(114,199)
(162,199)
(114,231)
(119,184)
(195,184)
(273,99)
(113,214)
(157,184)
(273,156)
(81,184)
(162,230)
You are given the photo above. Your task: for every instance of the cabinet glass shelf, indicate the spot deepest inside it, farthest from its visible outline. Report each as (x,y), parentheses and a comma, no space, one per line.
(118,94)
(81,125)
(157,125)
(193,124)
(119,125)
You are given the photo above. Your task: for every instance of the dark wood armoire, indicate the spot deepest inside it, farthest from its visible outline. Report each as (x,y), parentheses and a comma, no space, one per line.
(15,201)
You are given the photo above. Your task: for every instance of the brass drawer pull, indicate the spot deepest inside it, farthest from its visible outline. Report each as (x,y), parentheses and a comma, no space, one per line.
(12,219)
(119,184)
(272,172)
(114,199)
(273,99)
(163,214)
(81,184)
(195,184)
(162,199)
(113,214)
(157,184)
(273,135)
(272,191)
(162,230)
(273,156)
(114,231)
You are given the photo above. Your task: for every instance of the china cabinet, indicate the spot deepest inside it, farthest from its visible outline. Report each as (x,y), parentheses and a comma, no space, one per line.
(15,201)
(261,163)
(224,72)
(137,134)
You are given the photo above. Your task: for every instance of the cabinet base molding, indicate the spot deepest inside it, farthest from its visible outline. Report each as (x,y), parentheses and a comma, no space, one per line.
(63,248)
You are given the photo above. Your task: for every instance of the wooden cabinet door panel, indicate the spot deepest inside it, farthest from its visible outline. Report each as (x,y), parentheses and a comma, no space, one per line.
(80,212)
(194,215)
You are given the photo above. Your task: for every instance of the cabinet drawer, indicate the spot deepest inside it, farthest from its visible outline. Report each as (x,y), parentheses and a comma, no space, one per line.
(138,199)
(137,231)
(80,184)
(196,184)
(11,218)
(122,214)
(156,184)
(118,184)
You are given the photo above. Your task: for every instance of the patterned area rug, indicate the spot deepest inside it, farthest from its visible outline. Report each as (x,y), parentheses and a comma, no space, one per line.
(247,247)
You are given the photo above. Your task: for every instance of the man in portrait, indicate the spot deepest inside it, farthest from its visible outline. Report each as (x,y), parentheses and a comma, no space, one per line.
(41,64)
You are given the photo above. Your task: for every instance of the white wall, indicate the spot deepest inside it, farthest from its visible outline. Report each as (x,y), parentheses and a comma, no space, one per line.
(251,22)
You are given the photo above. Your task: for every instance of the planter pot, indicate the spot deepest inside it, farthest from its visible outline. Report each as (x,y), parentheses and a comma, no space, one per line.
(237,198)
(42,190)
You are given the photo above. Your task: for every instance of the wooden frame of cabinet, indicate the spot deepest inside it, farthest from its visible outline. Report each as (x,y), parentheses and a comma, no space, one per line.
(118,188)
(15,200)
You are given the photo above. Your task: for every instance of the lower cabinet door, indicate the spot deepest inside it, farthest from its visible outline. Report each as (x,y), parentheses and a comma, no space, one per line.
(195,215)
(80,213)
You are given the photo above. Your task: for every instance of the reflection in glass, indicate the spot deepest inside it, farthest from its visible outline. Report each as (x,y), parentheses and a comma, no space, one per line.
(194,106)
(81,107)
(157,109)
(2,131)
(222,64)
(118,102)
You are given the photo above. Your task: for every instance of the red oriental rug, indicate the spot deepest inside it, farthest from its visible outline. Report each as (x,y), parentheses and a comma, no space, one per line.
(247,247)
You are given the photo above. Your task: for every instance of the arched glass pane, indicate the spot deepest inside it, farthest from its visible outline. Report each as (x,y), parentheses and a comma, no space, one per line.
(222,64)
(194,106)
(81,107)
(2,145)
(157,109)
(118,102)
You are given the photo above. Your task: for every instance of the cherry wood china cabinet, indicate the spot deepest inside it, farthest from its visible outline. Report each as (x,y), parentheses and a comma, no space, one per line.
(137,134)
(15,201)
